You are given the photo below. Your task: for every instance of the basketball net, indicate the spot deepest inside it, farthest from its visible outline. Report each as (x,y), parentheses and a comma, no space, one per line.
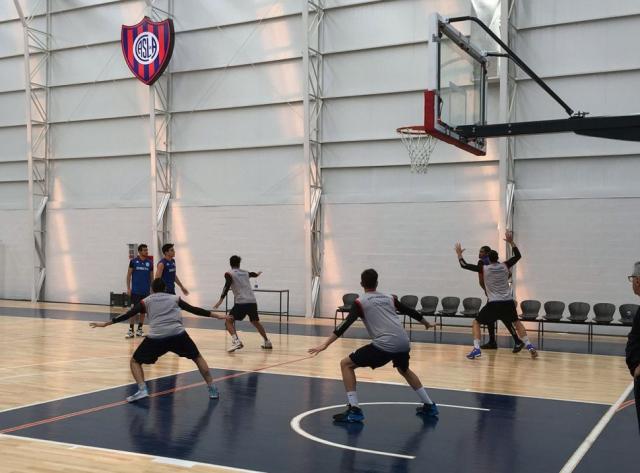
(420,145)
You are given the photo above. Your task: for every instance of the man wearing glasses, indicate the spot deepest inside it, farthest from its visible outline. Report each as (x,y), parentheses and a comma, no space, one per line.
(633,341)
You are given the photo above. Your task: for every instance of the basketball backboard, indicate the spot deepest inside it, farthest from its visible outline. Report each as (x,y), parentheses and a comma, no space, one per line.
(456,85)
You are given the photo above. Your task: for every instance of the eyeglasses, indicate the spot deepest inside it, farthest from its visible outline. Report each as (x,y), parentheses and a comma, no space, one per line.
(631,278)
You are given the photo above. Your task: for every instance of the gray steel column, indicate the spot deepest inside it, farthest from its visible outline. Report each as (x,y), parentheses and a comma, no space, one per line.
(312,18)
(159,145)
(37,45)
(508,88)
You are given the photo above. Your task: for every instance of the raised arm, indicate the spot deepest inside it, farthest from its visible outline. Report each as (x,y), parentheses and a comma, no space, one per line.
(463,264)
(516,253)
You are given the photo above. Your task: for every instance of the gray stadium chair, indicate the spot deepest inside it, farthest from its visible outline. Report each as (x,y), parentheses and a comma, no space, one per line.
(579,312)
(429,305)
(471,306)
(347,301)
(553,311)
(530,309)
(410,301)
(604,312)
(450,306)
(627,313)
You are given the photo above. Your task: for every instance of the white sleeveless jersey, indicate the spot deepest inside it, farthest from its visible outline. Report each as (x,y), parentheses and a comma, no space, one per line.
(496,282)
(383,323)
(241,287)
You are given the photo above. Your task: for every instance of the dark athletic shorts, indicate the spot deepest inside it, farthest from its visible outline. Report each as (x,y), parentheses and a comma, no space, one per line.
(240,311)
(373,357)
(135,298)
(153,348)
(498,310)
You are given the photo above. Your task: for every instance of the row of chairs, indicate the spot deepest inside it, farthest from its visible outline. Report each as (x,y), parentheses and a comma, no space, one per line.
(530,309)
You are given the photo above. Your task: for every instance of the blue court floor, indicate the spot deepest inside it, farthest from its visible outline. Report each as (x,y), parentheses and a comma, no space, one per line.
(250,427)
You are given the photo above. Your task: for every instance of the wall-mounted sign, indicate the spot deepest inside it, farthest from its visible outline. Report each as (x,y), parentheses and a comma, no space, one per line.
(147,48)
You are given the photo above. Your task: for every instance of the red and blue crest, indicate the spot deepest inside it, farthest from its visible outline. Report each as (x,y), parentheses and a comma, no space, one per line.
(147,48)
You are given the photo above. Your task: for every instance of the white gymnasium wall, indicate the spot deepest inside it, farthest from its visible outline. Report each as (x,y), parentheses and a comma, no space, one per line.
(239,166)
(576,198)
(376,213)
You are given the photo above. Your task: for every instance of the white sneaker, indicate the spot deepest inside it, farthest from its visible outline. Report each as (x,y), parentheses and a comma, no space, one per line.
(139,333)
(235,345)
(140,394)
(267,345)
(129,334)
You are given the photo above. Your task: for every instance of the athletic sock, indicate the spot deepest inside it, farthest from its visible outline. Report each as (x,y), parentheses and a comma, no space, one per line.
(476,344)
(424,397)
(142,387)
(526,341)
(235,338)
(352,398)
(139,326)
(131,327)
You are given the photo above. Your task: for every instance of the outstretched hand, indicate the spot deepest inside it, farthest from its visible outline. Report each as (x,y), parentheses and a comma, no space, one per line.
(459,250)
(98,324)
(318,349)
(508,236)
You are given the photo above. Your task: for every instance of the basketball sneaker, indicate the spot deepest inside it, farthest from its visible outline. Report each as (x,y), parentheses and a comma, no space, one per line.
(129,334)
(489,346)
(352,414)
(139,333)
(428,410)
(518,348)
(235,345)
(213,392)
(475,353)
(267,345)
(140,394)
(532,351)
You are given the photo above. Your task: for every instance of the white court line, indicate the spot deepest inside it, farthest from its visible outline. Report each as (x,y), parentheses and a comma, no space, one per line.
(79,360)
(582,450)
(91,392)
(165,460)
(295,425)
(460,390)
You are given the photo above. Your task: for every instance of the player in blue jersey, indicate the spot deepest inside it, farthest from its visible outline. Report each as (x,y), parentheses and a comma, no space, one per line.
(139,277)
(166,270)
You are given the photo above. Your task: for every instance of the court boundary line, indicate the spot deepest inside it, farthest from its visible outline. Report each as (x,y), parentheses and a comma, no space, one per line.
(124,401)
(295,425)
(396,383)
(73,446)
(588,442)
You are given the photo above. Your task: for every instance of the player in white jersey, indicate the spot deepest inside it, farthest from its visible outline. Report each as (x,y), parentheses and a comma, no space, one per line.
(244,303)
(500,303)
(379,312)
(166,334)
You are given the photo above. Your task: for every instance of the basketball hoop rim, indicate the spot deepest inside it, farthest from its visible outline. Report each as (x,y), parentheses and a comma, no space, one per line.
(413,130)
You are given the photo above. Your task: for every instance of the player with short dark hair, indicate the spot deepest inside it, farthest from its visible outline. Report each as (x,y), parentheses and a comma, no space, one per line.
(166,270)
(379,312)
(139,277)
(500,303)
(166,334)
(483,260)
(244,303)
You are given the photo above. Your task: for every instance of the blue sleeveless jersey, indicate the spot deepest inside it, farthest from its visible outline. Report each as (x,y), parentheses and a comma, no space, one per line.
(169,274)
(140,277)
